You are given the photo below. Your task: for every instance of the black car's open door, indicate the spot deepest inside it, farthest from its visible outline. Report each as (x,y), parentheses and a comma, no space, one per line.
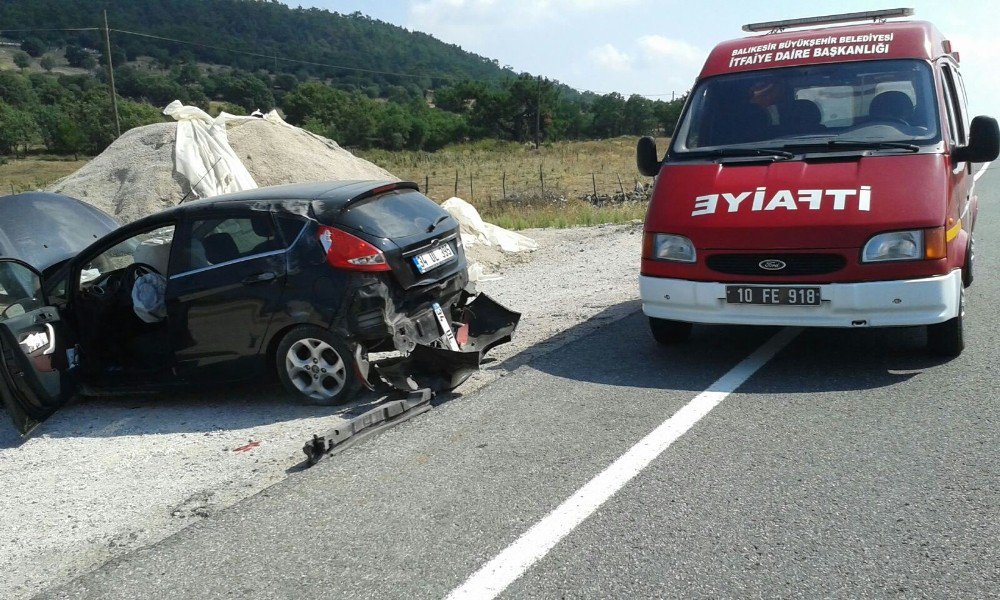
(33,363)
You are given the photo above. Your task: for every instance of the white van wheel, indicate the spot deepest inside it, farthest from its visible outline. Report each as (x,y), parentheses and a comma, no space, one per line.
(668,332)
(947,339)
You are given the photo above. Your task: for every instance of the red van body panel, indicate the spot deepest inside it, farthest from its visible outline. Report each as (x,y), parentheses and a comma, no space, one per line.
(789,211)
(909,39)
(906,192)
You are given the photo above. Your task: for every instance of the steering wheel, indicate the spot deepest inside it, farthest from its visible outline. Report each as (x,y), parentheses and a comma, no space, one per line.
(106,284)
(136,270)
(126,282)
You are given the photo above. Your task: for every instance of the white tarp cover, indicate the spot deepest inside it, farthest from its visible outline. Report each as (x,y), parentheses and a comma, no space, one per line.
(477,231)
(203,154)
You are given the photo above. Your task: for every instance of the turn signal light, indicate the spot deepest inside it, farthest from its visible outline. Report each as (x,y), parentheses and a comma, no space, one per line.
(934,243)
(345,251)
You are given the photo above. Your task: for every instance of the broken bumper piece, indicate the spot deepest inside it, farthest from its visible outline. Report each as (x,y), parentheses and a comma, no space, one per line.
(434,367)
(426,370)
(366,425)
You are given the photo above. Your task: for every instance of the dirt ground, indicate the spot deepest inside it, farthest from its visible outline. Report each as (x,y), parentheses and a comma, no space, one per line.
(106,477)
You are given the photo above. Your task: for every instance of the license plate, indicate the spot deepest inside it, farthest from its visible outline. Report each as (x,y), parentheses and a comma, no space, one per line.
(784,296)
(432,258)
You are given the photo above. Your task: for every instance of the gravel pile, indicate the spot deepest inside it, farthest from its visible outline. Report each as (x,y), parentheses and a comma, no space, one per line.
(107,477)
(135,176)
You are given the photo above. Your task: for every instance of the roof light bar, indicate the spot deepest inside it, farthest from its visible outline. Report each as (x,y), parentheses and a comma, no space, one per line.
(868,15)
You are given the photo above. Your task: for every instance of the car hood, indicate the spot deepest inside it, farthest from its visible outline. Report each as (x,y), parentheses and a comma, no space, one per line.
(43,229)
(799,204)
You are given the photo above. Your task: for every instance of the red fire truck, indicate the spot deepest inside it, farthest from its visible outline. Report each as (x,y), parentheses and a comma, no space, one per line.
(820,177)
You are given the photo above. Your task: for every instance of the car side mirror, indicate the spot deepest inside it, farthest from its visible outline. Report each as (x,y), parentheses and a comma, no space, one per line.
(984,142)
(645,157)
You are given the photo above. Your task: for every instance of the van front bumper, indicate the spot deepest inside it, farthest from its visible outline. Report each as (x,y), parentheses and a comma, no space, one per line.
(867,304)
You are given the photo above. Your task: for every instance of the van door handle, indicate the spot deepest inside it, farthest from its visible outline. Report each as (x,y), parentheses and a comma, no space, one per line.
(260,278)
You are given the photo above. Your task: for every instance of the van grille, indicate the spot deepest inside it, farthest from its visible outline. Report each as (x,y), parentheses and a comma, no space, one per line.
(795,264)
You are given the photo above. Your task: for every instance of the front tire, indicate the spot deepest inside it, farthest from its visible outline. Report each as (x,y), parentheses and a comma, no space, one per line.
(947,339)
(316,367)
(668,332)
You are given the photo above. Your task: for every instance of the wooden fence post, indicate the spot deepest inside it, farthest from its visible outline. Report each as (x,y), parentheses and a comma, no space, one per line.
(471,194)
(503,182)
(427,185)
(541,177)
(593,181)
(456,182)
(620,186)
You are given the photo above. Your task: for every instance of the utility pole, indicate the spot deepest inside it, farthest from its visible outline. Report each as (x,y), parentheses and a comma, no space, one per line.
(538,114)
(111,75)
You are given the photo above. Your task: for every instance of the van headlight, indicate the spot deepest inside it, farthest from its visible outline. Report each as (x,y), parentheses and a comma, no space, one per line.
(666,246)
(895,245)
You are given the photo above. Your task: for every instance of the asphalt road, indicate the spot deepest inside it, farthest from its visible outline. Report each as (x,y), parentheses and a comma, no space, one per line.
(849,465)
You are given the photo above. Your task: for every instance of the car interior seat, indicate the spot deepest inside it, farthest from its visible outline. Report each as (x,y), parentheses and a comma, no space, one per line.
(154,252)
(739,124)
(891,106)
(263,227)
(802,116)
(220,248)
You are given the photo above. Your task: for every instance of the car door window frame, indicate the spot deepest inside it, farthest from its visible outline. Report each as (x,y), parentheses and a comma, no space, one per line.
(42,300)
(183,240)
(109,242)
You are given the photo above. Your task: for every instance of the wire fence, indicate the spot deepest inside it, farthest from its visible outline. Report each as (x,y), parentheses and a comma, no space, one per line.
(486,188)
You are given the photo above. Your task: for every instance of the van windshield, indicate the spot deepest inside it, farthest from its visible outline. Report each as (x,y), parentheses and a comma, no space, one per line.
(885,101)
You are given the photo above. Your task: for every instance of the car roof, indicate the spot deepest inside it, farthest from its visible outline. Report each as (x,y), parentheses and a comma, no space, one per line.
(320,190)
(869,41)
(42,228)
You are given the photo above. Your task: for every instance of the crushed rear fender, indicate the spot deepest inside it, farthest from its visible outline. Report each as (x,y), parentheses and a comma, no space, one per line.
(440,369)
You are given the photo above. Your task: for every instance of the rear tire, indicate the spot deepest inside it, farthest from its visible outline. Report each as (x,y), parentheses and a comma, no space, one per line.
(316,367)
(947,339)
(668,332)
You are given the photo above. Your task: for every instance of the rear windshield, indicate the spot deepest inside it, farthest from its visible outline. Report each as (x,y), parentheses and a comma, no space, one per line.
(871,101)
(395,215)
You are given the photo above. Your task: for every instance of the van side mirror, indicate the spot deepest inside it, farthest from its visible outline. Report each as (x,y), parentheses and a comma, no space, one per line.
(645,157)
(984,142)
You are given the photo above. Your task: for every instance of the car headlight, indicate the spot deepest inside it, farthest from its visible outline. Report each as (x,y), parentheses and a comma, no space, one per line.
(666,246)
(895,245)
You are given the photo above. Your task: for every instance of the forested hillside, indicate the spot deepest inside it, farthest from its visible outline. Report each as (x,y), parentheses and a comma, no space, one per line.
(363,82)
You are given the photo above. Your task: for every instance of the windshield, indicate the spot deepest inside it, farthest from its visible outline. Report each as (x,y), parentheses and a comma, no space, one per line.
(866,102)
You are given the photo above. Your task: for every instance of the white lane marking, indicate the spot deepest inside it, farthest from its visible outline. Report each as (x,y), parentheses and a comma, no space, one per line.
(517,558)
(981,172)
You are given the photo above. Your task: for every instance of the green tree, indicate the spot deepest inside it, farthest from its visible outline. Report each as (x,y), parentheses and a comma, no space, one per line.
(17,130)
(47,62)
(638,116)
(59,131)
(16,90)
(22,60)
(33,46)
(608,116)
(667,114)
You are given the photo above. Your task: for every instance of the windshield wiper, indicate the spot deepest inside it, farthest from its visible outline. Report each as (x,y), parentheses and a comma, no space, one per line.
(439,220)
(737,152)
(856,145)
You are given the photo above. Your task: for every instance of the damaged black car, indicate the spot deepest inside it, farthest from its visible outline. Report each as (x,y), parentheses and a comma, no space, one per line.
(302,283)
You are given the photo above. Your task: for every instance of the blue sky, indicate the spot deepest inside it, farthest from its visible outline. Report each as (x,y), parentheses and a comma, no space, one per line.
(656,47)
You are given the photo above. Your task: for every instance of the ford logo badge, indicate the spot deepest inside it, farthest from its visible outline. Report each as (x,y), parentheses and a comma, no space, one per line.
(772,264)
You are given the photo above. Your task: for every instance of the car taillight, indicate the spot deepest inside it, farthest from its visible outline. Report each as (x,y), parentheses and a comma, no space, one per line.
(345,251)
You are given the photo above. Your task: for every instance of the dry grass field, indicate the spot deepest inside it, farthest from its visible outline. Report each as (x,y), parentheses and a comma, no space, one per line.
(512,185)
(516,186)
(34,172)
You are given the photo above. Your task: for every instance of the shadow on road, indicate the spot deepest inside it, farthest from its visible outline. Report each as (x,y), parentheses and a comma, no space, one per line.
(624,354)
(620,352)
